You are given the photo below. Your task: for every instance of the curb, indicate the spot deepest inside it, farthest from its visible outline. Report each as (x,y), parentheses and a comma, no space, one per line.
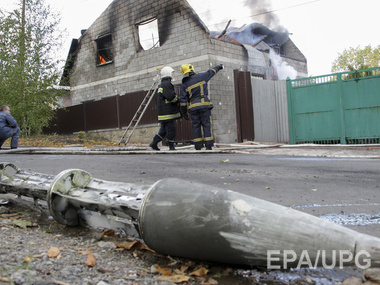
(302,150)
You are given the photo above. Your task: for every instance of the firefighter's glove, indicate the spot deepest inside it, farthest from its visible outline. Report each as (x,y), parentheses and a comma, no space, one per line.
(220,67)
(183,111)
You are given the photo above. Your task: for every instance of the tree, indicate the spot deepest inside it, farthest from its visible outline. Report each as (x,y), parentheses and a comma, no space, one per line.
(356,59)
(29,66)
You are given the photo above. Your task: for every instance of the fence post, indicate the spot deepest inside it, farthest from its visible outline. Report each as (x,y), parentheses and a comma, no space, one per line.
(118,112)
(290,111)
(343,139)
(85,115)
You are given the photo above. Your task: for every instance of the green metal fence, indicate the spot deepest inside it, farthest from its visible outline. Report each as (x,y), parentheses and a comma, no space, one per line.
(340,108)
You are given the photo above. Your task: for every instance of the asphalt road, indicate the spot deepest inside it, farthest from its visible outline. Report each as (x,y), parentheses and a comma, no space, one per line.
(347,189)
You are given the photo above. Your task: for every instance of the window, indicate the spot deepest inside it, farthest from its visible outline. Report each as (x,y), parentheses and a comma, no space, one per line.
(104,49)
(148,34)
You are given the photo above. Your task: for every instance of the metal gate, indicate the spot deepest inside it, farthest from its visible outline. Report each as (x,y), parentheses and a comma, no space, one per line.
(244,106)
(338,108)
(270,109)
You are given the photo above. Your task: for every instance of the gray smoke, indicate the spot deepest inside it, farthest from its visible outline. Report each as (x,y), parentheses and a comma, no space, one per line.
(261,11)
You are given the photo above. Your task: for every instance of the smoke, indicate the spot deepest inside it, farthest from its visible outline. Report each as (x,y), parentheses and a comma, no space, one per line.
(280,69)
(261,11)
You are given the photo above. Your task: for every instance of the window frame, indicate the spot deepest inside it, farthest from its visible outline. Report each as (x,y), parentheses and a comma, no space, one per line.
(156,34)
(104,49)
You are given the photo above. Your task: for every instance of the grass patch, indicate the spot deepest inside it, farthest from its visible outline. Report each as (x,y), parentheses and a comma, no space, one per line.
(84,139)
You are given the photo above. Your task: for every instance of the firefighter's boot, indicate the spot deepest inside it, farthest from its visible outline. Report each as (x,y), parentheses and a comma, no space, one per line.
(171,146)
(154,143)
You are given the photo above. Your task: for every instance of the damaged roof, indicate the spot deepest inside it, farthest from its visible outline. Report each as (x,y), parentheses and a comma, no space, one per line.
(252,34)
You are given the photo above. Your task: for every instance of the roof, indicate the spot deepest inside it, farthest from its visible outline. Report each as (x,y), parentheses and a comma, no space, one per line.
(253,34)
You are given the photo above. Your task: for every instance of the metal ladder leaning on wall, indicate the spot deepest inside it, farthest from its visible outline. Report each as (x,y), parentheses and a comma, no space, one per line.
(140,111)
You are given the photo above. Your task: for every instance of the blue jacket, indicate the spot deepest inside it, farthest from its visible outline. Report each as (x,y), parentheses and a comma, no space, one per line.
(194,90)
(7,122)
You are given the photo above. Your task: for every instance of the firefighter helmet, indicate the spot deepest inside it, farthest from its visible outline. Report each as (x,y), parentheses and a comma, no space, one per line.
(167,71)
(186,68)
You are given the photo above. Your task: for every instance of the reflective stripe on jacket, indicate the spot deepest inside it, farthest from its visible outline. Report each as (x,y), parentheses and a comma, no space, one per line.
(194,90)
(168,103)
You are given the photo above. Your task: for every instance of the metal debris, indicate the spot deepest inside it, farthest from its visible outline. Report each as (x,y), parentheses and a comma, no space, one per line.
(191,220)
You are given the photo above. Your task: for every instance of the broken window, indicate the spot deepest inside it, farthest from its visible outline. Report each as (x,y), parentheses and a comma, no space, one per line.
(104,49)
(148,34)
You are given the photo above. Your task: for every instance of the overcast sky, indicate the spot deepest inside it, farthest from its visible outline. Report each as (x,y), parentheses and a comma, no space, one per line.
(321,29)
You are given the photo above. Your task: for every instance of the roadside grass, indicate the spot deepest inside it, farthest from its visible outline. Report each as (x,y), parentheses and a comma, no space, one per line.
(54,140)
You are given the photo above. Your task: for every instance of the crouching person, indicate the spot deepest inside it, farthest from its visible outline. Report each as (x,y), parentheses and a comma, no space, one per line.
(8,127)
(168,110)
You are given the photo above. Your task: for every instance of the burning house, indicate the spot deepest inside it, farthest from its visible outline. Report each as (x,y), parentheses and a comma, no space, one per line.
(122,50)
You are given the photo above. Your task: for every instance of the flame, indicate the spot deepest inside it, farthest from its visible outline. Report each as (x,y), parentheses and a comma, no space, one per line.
(101,59)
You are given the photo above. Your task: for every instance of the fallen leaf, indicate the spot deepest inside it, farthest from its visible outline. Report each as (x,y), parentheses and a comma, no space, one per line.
(140,245)
(125,244)
(128,245)
(267,187)
(10,216)
(184,268)
(352,281)
(108,232)
(164,271)
(211,282)
(22,223)
(200,272)
(91,262)
(176,278)
(53,252)
(27,259)
(315,190)
(226,160)
(236,180)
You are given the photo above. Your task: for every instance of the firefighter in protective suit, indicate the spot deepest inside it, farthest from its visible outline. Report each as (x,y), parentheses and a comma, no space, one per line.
(194,98)
(168,110)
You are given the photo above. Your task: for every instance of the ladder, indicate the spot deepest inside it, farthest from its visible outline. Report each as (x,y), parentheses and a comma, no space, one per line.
(140,111)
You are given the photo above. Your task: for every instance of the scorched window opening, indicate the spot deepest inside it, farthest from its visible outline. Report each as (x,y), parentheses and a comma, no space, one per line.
(104,49)
(148,34)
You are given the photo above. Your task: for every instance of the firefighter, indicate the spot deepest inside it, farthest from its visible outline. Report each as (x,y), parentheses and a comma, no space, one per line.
(194,98)
(168,110)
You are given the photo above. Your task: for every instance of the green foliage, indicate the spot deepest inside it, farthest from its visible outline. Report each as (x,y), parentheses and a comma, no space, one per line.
(356,59)
(29,68)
